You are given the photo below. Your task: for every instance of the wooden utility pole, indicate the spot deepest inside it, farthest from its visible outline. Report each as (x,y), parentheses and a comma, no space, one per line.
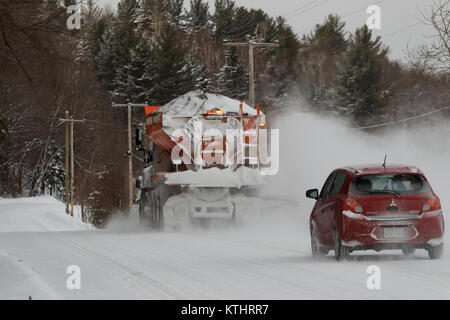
(129,153)
(251,46)
(72,170)
(67,162)
(70,122)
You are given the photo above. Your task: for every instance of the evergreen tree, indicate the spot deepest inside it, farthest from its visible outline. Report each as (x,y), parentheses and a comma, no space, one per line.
(267,30)
(174,9)
(53,180)
(358,76)
(172,76)
(198,15)
(318,57)
(274,86)
(232,80)
(223,18)
(108,58)
(124,33)
(134,80)
(144,18)
(94,26)
(117,42)
(199,74)
(287,53)
(3,129)
(244,23)
(329,35)
(48,177)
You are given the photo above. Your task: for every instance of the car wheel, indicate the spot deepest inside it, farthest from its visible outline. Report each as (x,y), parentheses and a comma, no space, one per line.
(340,252)
(316,250)
(408,251)
(436,252)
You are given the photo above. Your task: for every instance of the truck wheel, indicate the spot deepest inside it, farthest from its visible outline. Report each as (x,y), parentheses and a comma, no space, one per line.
(340,252)
(233,217)
(156,207)
(436,252)
(144,209)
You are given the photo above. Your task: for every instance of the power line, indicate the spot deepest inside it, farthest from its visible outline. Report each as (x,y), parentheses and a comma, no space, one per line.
(346,15)
(403,29)
(287,18)
(300,8)
(309,9)
(403,120)
(359,10)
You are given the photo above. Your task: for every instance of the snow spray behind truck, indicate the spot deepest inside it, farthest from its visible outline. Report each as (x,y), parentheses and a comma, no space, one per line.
(203,160)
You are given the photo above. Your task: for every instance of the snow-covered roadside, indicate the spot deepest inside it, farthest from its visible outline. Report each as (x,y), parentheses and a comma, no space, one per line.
(268,258)
(38,214)
(18,280)
(21,282)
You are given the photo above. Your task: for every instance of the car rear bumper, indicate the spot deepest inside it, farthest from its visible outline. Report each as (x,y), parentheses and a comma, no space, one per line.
(421,231)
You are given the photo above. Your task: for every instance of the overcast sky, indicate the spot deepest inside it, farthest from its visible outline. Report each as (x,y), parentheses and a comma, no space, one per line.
(398,17)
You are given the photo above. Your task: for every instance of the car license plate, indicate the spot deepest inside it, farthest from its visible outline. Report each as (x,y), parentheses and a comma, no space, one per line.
(394,233)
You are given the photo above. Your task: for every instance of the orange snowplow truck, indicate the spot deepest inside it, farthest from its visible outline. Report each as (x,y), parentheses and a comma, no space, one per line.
(202,160)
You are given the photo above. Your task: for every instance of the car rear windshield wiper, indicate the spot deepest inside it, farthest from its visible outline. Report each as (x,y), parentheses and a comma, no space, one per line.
(397,194)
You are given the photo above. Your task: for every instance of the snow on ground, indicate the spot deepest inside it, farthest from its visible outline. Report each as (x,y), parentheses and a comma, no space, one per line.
(37,214)
(268,257)
(22,216)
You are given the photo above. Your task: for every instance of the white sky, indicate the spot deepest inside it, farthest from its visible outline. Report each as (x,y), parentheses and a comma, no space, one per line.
(397,17)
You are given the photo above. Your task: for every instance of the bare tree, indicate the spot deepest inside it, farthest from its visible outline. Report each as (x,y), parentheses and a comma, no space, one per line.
(434,59)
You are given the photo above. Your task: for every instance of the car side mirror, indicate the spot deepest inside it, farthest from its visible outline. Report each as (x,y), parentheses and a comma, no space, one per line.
(313,194)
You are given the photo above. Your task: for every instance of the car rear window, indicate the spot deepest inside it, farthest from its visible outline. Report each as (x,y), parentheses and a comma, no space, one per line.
(399,183)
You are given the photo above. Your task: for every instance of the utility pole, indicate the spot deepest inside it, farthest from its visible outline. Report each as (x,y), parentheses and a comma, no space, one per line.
(129,153)
(67,162)
(251,46)
(70,121)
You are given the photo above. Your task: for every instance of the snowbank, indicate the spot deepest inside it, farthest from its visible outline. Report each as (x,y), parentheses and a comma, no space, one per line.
(37,214)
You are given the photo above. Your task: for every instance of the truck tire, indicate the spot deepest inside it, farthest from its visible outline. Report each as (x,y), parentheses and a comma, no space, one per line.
(156,207)
(151,209)
(144,215)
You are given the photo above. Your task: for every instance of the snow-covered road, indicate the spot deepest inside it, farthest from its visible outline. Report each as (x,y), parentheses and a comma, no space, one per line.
(267,259)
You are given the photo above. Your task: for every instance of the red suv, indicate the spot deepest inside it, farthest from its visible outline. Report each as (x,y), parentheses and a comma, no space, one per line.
(374,208)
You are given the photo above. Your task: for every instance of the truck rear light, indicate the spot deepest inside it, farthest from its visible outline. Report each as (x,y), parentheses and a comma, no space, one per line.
(432,204)
(351,205)
(218,112)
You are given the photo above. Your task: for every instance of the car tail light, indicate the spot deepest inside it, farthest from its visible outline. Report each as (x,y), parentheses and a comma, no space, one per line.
(432,204)
(352,205)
